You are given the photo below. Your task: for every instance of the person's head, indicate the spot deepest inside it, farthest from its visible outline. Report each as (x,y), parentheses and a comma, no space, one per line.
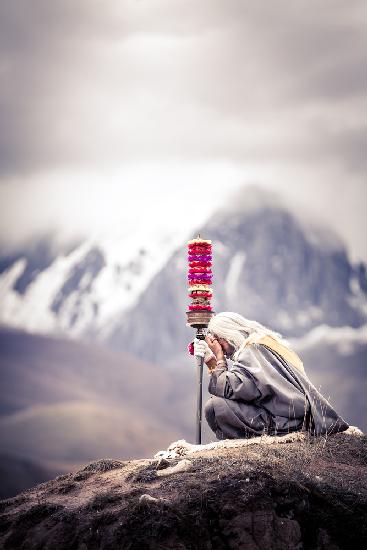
(233,332)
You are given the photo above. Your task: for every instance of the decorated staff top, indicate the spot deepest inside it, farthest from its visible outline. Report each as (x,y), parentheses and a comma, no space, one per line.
(200,278)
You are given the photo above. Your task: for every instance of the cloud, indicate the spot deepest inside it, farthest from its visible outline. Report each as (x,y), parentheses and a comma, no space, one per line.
(83,84)
(149,92)
(76,204)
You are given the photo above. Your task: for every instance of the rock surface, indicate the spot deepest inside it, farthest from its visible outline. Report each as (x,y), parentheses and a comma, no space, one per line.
(309,494)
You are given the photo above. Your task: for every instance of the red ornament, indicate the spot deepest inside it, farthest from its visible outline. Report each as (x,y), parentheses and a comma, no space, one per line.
(200,244)
(190,348)
(200,264)
(199,307)
(200,294)
(200,282)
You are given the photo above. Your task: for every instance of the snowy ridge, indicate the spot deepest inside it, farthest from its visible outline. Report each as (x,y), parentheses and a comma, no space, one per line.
(358,297)
(124,280)
(234,273)
(82,292)
(31,311)
(268,265)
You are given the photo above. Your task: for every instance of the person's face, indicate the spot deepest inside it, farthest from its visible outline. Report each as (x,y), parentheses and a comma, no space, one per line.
(227,348)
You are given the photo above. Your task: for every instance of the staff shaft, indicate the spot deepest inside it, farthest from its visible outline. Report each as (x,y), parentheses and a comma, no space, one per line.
(200,334)
(199,397)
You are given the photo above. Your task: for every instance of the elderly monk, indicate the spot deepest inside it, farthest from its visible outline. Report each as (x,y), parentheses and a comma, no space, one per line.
(266,390)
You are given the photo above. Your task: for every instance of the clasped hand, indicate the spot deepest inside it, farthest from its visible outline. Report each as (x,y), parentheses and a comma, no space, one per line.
(215,347)
(208,348)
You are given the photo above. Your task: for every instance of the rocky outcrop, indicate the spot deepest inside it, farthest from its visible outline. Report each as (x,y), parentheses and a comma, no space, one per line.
(302,494)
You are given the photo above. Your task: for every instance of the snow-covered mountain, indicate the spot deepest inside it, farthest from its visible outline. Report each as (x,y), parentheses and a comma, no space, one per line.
(268,266)
(80,291)
(130,291)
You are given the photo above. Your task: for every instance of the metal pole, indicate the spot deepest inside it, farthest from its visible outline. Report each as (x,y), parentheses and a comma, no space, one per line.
(199,391)
(199,397)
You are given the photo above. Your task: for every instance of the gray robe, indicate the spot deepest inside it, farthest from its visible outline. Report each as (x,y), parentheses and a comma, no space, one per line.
(265,394)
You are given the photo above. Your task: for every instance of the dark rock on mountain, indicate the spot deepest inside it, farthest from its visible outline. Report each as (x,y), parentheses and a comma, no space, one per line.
(362,276)
(309,494)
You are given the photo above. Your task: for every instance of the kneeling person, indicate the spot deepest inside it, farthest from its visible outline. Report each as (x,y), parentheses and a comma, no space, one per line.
(266,391)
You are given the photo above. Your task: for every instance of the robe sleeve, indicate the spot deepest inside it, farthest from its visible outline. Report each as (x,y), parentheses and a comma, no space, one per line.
(237,383)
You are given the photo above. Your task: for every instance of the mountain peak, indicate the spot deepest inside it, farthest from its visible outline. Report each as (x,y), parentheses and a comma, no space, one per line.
(267,205)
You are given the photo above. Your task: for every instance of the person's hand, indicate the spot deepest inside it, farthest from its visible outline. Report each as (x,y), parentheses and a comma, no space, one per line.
(215,347)
(201,349)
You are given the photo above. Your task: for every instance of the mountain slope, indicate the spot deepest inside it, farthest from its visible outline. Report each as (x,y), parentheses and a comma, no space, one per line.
(78,291)
(65,402)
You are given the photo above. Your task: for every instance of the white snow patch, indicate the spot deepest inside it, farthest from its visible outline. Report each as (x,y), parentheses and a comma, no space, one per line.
(358,298)
(139,260)
(354,285)
(234,273)
(32,310)
(132,260)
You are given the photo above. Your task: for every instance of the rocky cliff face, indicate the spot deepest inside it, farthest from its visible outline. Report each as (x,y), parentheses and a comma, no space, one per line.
(309,494)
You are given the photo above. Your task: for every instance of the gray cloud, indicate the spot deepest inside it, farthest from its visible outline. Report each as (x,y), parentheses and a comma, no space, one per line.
(86,83)
(277,90)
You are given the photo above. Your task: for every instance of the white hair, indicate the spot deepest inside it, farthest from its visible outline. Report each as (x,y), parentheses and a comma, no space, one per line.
(239,331)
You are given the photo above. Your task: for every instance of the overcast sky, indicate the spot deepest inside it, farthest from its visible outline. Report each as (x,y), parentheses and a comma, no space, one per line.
(115,111)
